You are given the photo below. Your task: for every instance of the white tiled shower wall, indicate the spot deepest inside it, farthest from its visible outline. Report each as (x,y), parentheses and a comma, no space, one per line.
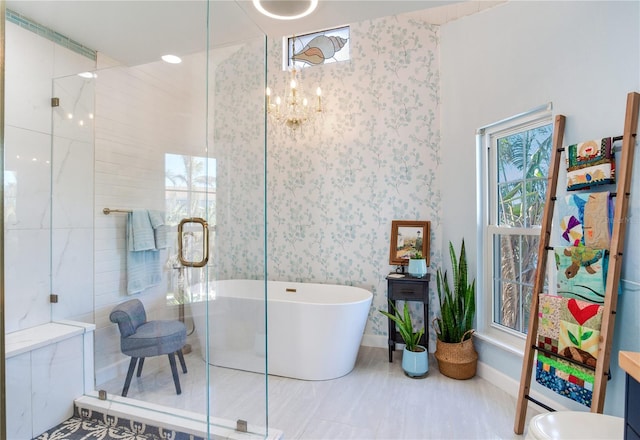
(48,229)
(142,112)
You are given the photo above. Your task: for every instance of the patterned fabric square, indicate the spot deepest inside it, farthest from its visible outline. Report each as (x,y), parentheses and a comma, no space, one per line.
(578,343)
(570,329)
(549,307)
(570,211)
(597,225)
(565,378)
(581,273)
(584,313)
(590,163)
(548,344)
(580,324)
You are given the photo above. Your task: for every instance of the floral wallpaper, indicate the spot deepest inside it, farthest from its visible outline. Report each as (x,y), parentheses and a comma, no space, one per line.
(333,190)
(239,149)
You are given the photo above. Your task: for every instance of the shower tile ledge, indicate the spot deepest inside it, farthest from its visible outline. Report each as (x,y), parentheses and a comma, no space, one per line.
(33,338)
(170,418)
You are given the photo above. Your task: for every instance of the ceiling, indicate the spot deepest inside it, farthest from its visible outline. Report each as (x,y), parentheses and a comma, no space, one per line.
(140,31)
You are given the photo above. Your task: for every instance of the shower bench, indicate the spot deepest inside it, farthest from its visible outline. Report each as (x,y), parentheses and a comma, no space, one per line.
(47,367)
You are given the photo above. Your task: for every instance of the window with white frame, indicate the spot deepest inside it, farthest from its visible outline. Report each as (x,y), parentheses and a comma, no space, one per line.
(190,188)
(515,158)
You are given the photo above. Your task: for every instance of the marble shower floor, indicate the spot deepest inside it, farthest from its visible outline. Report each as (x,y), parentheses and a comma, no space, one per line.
(375,401)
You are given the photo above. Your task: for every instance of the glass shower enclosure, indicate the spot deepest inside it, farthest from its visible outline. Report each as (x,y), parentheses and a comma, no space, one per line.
(100,130)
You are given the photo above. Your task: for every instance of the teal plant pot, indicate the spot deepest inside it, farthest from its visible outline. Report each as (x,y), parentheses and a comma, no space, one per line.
(415,363)
(417,268)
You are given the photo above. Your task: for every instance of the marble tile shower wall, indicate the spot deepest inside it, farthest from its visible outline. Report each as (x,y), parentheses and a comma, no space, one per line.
(49,182)
(333,193)
(60,175)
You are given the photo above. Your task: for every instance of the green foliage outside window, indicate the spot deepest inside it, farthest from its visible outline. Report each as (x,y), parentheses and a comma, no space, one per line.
(523,160)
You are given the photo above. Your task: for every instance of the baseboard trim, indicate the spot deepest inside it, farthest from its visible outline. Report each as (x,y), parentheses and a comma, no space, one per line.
(120,368)
(512,386)
(376,341)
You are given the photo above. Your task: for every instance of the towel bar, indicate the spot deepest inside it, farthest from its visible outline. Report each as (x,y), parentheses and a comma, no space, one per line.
(107,211)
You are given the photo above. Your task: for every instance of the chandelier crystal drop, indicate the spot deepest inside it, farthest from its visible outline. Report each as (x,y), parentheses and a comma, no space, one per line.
(295,110)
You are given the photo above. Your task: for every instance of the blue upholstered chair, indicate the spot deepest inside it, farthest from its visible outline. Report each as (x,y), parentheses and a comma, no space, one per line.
(140,339)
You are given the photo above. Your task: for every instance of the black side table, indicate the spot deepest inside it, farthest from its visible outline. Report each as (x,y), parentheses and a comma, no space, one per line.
(407,288)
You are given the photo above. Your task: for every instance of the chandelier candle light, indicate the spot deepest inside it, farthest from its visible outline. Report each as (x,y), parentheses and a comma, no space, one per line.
(295,111)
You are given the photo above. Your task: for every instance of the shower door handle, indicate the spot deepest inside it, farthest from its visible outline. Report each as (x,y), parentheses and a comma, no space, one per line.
(205,242)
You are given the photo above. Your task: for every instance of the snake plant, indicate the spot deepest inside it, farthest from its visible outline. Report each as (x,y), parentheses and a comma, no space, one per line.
(404,325)
(457,303)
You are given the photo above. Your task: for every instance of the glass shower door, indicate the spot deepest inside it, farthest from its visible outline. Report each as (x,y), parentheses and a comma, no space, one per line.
(161,141)
(72,195)
(237,308)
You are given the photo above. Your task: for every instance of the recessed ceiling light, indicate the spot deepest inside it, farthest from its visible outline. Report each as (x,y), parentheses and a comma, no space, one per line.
(285,9)
(87,75)
(171,59)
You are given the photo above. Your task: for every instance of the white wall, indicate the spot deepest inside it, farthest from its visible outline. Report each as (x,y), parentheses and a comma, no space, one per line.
(582,56)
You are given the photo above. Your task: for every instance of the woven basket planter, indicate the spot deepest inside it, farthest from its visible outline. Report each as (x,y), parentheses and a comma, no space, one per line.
(457,360)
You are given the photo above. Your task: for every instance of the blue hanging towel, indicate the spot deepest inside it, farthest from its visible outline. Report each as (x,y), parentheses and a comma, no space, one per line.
(143,259)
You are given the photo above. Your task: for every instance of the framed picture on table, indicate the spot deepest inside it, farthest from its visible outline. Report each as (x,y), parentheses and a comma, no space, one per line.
(407,238)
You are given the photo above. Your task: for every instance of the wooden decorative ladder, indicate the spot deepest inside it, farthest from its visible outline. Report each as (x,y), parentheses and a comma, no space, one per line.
(623,176)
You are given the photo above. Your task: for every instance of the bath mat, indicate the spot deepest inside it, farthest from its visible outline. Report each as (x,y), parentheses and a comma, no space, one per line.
(590,163)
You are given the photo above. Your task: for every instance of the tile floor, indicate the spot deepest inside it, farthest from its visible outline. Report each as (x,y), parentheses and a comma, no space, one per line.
(375,401)
(78,428)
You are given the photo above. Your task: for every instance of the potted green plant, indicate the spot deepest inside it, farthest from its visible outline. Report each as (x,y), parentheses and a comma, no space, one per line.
(417,265)
(455,352)
(415,358)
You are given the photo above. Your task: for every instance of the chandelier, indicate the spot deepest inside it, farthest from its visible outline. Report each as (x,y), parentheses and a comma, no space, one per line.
(295,110)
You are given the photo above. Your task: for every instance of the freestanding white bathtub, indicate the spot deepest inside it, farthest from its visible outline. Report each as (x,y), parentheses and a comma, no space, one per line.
(314,330)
